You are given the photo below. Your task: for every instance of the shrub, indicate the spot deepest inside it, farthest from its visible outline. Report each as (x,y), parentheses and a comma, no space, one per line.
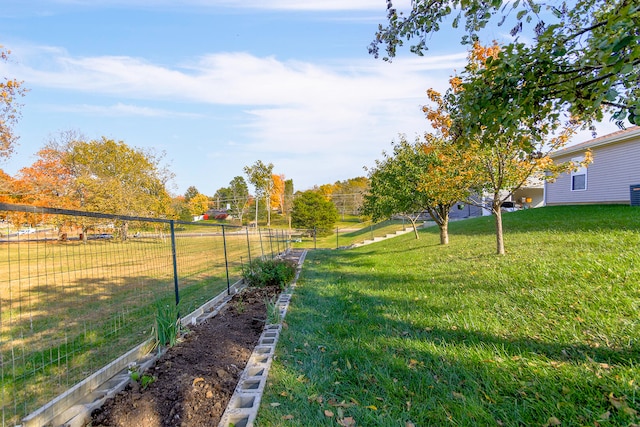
(269,272)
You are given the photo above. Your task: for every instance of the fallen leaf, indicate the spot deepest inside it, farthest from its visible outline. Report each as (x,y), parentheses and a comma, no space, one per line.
(605,416)
(458,395)
(629,411)
(409,424)
(615,402)
(287,417)
(197,380)
(328,413)
(372,407)
(347,422)
(274,404)
(553,421)
(348,364)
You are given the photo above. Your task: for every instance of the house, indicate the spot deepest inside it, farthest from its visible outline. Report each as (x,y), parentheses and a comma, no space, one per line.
(609,179)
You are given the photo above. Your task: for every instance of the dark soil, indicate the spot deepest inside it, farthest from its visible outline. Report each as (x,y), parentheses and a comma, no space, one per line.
(196,378)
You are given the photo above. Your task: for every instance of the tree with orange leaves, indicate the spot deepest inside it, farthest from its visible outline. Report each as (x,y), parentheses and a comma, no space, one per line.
(428,175)
(504,156)
(277,192)
(10,91)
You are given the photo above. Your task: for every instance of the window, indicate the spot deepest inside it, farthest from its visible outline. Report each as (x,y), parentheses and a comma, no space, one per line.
(579,175)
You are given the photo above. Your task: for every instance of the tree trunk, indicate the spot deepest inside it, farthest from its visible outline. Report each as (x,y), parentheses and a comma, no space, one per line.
(415,229)
(444,232)
(497,212)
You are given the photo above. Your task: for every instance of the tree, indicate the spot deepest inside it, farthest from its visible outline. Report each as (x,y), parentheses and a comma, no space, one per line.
(180,209)
(260,176)
(191,192)
(348,195)
(239,197)
(47,182)
(426,176)
(198,204)
(10,91)
(313,211)
(288,199)
(502,156)
(277,194)
(112,177)
(584,58)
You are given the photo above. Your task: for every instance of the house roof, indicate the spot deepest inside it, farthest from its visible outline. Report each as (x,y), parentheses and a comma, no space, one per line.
(619,136)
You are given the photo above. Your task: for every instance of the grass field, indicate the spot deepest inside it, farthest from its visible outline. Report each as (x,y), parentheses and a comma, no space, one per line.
(406,332)
(69,308)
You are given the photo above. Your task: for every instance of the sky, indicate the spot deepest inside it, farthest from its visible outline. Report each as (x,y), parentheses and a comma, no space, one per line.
(217,85)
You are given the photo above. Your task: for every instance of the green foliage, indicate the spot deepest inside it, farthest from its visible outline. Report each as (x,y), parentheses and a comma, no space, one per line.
(143,379)
(417,177)
(312,211)
(584,57)
(167,324)
(269,272)
(273,311)
(407,332)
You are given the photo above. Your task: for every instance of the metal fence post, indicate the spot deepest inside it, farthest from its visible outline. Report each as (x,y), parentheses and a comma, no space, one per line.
(271,242)
(226,260)
(261,247)
(337,238)
(175,261)
(248,246)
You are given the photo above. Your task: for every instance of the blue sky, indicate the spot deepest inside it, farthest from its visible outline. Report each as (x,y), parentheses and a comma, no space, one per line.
(220,84)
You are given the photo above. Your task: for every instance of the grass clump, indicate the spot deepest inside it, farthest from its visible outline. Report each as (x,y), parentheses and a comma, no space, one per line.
(167,330)
(269,272)
(408,332)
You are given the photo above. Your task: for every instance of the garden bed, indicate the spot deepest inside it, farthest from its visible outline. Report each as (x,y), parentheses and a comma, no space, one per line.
(195,379)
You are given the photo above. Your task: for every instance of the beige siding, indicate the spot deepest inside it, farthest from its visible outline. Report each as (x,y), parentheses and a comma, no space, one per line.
(615,167)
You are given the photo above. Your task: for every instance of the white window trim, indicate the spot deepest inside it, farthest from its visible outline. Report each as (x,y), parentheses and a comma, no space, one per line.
(581,170)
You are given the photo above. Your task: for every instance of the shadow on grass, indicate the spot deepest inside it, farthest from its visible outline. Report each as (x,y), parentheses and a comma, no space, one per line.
(352,347)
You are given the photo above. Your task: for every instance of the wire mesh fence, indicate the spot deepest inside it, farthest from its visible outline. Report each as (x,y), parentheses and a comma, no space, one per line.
(79,289)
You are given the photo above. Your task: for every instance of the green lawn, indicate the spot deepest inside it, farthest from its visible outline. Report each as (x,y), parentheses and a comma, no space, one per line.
(406,332)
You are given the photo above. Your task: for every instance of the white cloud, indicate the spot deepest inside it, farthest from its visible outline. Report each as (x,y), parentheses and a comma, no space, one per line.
(311,117)
(282,5)
(120,110)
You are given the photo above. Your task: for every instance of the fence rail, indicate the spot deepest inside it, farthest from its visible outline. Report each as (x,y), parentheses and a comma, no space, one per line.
(78,289)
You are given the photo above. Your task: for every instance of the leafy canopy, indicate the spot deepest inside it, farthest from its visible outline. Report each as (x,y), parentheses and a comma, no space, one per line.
(311,210)
(584,57)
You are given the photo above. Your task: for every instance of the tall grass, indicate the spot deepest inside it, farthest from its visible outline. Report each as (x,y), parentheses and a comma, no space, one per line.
(407,332)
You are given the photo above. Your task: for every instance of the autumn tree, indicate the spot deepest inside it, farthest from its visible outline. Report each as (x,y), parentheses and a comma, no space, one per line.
(311,210)
(503,158)
(11,90)
(112,177)
(47,182)
(430,175)
(198,204)
(277,194)
(260,176)
(584,58)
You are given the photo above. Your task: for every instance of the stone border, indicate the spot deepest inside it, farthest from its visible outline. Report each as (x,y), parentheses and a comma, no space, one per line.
(243,406)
